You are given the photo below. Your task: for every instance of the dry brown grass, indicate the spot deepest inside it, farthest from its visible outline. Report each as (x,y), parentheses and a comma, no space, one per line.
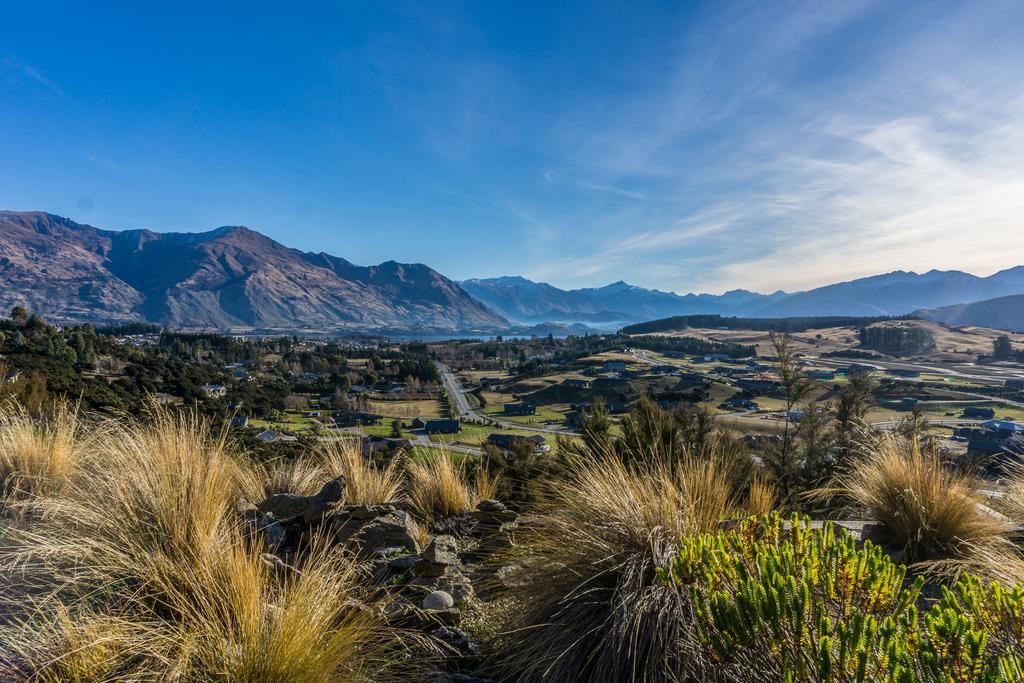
(596,611)
(762,497)
(437,487)
(38,456)
(150,578)
(485,486)
(305,475)
(367,484)
(930,508)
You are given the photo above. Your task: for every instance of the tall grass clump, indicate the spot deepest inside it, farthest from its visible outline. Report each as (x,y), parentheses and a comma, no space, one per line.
(762,497)
(596,610)
(146,496)
(367,484)
(145,566)
(38,456)
(930,509)
(302,475)
(438,487)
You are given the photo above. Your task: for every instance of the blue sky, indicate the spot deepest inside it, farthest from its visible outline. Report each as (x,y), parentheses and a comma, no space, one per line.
(683,146)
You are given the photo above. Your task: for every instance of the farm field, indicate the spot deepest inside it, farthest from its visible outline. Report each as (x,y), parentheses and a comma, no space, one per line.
(423,408)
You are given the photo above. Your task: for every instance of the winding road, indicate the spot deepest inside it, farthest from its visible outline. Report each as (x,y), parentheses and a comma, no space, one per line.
(465,410)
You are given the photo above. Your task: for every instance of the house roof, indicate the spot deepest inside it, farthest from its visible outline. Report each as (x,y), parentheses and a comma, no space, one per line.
(1003,426)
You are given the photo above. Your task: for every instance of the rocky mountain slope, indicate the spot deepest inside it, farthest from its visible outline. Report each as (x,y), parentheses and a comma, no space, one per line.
(231,277)
(1003,313)
(898,293)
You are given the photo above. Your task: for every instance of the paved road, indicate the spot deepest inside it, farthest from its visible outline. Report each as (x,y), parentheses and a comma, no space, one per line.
(458,394)
(455,390)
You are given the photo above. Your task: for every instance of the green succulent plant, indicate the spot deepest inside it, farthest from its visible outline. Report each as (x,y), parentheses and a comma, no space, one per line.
(776,599)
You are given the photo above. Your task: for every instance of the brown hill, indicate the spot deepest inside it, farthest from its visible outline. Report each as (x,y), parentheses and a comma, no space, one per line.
(231,277)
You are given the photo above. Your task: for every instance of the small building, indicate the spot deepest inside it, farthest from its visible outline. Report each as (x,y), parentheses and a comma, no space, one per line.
(738,403)
(356,418)
(267,436)
(508,442)
(442,427)
(519,409)
(576,382)
(271,436)
(214,390)
(239,422)
(417,423)
(615,366)
(993,437)
(977,413)
(371,445)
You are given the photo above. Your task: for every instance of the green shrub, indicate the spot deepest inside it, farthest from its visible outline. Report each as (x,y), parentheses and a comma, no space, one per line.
(780,601)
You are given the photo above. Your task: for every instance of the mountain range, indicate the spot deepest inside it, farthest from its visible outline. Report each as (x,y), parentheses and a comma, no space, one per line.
(231,277)
(896,293)
(617,304)
(237,278)
(1004,313)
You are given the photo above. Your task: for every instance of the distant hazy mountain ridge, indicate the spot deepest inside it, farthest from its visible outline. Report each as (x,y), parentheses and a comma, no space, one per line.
(1005,313)
(526,301)
(892,294)
(231,277)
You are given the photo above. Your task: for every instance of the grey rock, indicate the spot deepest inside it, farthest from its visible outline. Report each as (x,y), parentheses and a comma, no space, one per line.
(490,505)
(453,582)
(403,563)
(391,528)
(456,638)
(438,600)
(441,554)
(311,509)
(279,567)
(263,525)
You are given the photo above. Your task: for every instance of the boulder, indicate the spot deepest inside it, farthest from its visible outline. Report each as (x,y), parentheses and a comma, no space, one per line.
(490,505)
(263,525)
(456,638)
(375,528)
(493,513)
(453,582)
(441,554)
(437,601)
(403,563)
(310,509)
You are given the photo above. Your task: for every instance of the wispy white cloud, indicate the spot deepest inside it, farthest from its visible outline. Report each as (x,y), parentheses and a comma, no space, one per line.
(34,76)
(910,155)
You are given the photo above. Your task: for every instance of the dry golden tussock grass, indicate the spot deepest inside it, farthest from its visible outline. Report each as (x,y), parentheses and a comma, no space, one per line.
(149,577)
(38,456)
(762,497)
(596,611)
(437,487)
(367,484)
(932,509)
